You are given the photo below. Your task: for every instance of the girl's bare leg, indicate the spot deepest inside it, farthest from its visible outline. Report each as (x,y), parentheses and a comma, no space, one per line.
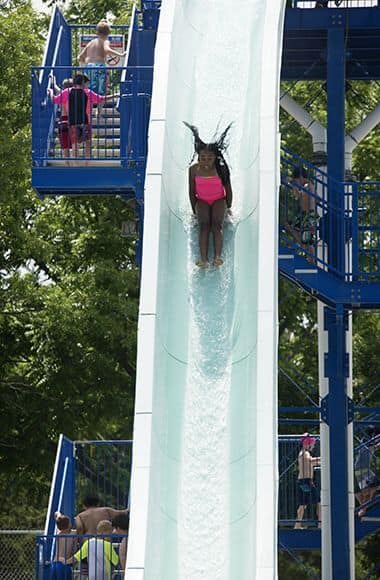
(217,218)
(203,211)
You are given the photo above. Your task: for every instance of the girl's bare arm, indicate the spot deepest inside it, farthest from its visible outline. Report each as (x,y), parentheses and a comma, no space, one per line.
(228,190)
(192,196)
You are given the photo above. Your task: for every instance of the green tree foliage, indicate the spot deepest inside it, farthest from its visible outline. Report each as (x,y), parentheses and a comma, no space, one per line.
(82,11)
(68,300)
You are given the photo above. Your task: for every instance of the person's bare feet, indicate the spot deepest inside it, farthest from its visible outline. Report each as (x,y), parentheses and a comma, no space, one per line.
(202,263)
(218,261)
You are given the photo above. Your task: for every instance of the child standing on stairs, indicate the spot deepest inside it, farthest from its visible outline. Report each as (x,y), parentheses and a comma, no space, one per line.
(63,119)
(65,544)
(99,553)
(79,100)
(94,57)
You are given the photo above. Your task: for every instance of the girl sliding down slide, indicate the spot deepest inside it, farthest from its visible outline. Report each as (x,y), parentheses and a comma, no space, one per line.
(210,193)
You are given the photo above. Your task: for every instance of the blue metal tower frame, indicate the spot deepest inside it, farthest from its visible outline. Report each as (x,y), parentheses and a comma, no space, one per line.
(336,368)
(324,45)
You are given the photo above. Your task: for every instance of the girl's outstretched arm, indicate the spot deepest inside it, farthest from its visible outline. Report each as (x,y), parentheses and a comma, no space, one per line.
(228,190)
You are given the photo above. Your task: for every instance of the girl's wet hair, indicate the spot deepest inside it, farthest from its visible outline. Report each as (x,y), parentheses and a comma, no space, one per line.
(218,147)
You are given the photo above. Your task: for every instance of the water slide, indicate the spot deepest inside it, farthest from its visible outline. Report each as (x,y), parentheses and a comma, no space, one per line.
(204,477)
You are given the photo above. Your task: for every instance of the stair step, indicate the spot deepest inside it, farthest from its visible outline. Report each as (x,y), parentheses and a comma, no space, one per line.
(108,141)
(105,121)
(306,271)
(109,132)
(90,163)
(102,152)
(96,152)
(110,114)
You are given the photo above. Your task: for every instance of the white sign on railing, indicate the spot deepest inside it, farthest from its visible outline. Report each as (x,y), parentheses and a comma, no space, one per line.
(338,3)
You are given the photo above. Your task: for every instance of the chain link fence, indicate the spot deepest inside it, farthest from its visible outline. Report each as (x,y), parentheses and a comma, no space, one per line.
(17,554)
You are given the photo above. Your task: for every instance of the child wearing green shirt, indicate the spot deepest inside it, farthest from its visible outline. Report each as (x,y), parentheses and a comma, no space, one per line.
(99,552)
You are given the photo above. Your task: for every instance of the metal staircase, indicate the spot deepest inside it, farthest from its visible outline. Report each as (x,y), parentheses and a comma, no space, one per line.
(105,140)
(356,283)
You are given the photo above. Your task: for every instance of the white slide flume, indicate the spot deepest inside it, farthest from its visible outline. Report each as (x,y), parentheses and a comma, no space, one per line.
(204,477)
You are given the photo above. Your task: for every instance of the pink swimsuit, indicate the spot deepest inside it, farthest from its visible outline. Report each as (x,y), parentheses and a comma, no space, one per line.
(209,189)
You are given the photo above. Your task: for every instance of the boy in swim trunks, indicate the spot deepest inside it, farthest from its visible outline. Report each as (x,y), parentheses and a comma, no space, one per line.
(93,56)
(210,194)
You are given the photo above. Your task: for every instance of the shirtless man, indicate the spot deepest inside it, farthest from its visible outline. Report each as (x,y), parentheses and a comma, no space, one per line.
(93,56)
(307,492)
(86,521)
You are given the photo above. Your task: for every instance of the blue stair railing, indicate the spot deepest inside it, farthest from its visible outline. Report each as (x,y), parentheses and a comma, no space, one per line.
(101,468)
(62,493)
(57,54)
(289,447)
(120,135)
(309,220)
(367,474)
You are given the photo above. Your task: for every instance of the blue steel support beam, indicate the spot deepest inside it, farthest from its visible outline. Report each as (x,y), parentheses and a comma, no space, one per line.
(337,416)
(336,367)
(336,81)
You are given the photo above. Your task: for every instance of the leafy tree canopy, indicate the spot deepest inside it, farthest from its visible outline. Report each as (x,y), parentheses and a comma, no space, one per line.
(68,296)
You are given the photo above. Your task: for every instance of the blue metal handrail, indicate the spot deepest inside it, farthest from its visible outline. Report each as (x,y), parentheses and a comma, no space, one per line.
(119,138)
(57,53)
(62,490)
(289,488)
(101,468)
(367,469)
